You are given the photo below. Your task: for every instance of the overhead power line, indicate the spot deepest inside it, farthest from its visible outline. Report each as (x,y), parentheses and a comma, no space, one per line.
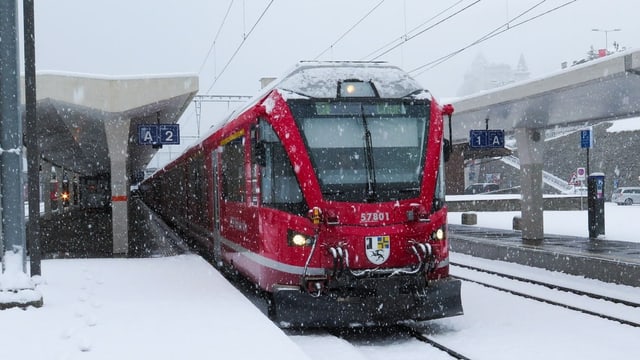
(244,39)
(348,31)
(405,38)
(213,43)
(497,31)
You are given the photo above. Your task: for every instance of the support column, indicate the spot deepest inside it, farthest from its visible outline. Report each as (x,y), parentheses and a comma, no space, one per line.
(117,130)
(531,151)
(13,240)
(46,183)
(13,233)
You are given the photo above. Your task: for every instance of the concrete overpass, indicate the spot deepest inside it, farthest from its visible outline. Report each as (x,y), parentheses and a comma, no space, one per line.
(600,90)
(87,125)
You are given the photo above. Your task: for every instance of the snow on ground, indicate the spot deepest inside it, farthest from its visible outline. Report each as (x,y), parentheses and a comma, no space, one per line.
(497,325)
(182,308)
(631,124)
(160,308)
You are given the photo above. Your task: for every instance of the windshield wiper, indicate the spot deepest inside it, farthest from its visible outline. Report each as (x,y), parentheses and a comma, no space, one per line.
(368,150)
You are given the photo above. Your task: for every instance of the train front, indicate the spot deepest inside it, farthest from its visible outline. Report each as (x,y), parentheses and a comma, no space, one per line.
(374,249)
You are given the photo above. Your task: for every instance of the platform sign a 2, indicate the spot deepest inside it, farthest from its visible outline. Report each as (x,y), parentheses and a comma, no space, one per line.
(159,134)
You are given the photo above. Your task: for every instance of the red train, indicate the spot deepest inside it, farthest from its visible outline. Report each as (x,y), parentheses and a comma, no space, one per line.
(327,191)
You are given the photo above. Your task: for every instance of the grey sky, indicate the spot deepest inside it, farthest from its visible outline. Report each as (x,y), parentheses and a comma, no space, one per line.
(125,37)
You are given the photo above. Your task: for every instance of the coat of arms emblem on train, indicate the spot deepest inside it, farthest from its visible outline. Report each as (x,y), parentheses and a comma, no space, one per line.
(377,248)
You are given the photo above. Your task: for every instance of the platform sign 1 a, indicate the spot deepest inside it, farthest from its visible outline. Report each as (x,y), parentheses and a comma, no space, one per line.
(159,134)
(486,139)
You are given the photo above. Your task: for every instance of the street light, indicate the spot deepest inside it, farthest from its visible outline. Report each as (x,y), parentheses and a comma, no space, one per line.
(606,36)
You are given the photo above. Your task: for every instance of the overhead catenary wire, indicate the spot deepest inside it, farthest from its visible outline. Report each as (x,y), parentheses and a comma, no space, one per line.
(499,30)
(428,28)
(244,39)
(215,38)
(349,30)
(405,37)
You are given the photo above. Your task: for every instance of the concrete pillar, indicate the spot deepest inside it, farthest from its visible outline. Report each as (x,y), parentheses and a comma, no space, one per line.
(117,130)
(46,183)
(531,151)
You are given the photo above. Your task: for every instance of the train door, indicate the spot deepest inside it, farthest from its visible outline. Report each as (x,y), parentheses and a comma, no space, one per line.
(215,166)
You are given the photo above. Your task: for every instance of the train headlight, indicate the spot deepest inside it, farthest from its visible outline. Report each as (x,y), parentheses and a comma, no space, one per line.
(438,235)
(297,239)
(356,88)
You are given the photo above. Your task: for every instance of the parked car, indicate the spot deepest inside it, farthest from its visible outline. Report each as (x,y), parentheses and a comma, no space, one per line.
(480,188)
(626,195)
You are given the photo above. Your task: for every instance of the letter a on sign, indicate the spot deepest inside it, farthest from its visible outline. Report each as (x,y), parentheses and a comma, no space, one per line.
(147,134)
(147,137)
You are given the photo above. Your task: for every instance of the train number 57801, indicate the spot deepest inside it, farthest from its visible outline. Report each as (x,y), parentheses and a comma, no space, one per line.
(374,216)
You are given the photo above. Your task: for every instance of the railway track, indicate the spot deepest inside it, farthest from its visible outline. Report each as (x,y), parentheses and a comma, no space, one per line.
(423,338)
(528,295)
(366,335)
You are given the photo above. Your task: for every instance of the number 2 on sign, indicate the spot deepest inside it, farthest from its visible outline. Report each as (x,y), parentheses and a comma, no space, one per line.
(168,136)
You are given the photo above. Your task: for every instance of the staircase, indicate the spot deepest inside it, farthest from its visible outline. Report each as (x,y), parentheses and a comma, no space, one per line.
(555,182)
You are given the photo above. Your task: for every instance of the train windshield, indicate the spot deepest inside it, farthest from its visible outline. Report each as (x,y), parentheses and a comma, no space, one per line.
(365,151)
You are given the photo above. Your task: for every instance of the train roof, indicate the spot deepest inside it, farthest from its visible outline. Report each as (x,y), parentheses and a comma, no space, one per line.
(320,79)
(317,79)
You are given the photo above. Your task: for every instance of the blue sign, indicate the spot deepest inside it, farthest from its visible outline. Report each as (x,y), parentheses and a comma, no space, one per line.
(147,134)
(159,134)
(169,134)
(486,139)
(599,188)
(586,140)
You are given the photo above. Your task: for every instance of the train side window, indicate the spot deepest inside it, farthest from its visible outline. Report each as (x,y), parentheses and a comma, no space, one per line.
(233,175)
(279,186)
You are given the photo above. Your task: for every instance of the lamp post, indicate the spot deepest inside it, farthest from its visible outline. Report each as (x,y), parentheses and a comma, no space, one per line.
(606,36)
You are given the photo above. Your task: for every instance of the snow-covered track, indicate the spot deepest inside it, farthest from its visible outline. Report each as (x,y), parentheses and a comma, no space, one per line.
(421,337)
(355,336)
(514,285)
(552,286)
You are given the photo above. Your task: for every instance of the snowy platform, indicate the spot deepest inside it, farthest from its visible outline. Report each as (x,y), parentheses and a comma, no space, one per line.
(175,307)
(614,257)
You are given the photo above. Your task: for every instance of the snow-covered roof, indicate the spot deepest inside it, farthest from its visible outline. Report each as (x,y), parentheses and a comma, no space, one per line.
(319,79)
